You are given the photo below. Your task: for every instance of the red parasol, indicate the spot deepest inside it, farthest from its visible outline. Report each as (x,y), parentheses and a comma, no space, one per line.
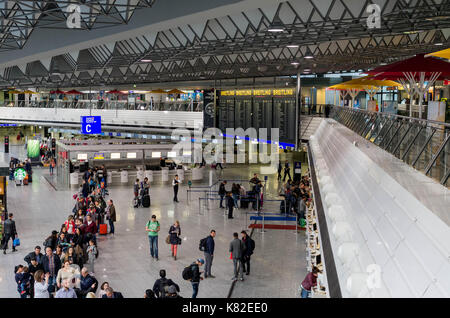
(416,74)
(58,92)
(116,92)
(74,92)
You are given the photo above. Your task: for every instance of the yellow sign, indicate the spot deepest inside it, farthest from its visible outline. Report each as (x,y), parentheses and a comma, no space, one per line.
(227,93)
(283,92)
(244,92)
(262,92)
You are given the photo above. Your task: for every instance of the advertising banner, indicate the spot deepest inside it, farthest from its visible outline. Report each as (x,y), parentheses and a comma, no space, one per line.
(33,149)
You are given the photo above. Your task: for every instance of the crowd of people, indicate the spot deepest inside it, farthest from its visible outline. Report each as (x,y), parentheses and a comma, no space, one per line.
(66,270)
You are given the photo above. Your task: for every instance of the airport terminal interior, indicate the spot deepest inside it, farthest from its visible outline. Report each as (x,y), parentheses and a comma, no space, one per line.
(225,149)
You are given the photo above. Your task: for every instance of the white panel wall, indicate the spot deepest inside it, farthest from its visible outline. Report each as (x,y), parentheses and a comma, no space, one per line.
(163,119)
(384,225)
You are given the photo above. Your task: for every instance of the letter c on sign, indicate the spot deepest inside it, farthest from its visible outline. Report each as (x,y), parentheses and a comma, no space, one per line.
(88,128)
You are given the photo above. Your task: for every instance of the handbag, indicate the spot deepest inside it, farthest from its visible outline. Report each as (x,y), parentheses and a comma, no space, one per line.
(179,240)
(168,239)
(16,242)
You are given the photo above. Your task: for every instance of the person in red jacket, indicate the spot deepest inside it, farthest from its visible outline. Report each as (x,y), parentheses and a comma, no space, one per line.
(309,281)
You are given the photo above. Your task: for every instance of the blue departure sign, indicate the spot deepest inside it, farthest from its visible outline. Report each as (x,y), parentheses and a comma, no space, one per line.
(91,125)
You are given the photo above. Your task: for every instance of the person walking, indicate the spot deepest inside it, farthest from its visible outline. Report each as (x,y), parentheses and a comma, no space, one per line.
(9,232)
(209,254)
(91,252)
(287,170)
(309,281)
(175,183)
(249,247)
(195,280)
(236,249)
(153,228)
(222,192)
(175,239)
(111,215)
(161,286)
(280,168)
(136,188)
(230,205)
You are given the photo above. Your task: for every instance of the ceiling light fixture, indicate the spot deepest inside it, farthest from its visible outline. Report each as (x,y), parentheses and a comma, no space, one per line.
(308,54)
(146,61)
(438,44)
(295,63)
(294,46)
(277,26)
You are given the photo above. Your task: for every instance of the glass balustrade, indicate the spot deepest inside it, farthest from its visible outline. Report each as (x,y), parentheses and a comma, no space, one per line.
(422,144)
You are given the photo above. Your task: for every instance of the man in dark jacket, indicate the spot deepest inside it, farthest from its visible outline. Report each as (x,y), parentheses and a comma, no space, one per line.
(195,281)
(87,283)
(9,232)
(52,264)
(111,215)
(37,255)
(248,251)
(209,254)
(161,286)
(85,189)
(222,192)
(51,240)
(230,204)
(236,250)
(110,293)
(32,269)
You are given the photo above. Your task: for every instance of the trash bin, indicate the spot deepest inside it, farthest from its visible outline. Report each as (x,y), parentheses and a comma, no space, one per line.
(140,174)
(197,174)
(74,178)
(149,175)
(124,176)
(180,173)
(165,174)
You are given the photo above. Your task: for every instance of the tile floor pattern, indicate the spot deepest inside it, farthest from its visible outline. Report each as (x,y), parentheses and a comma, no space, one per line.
(278,265)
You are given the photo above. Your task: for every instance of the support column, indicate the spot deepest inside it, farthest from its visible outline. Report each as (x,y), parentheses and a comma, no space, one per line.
(298,96)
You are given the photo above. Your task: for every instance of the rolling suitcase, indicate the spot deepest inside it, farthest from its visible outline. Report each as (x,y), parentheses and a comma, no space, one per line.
(25,181)
(244,203)
(146,201)
(18,182)
(103,230)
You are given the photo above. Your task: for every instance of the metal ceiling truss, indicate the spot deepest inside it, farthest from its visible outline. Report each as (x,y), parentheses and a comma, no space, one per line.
(18,18)
(335,31)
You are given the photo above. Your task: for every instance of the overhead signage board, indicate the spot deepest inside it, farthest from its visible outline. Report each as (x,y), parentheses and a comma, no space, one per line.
(99,156)
(91,125)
